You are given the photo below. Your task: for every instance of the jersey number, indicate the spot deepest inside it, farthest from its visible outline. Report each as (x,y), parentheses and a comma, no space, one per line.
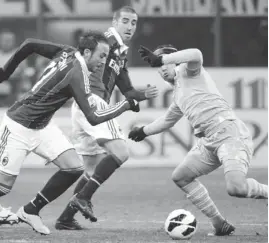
(50,70)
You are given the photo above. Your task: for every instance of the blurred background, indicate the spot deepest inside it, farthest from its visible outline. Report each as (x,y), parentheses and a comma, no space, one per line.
(232,35)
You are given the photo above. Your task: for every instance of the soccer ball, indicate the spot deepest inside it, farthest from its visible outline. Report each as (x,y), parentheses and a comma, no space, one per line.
(180,224)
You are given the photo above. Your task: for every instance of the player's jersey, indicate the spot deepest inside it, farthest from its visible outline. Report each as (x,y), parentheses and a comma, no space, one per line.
(35,109)
(200,101)
(114,72)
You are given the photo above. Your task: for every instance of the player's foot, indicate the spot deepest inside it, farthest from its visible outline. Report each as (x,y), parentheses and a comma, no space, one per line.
(68,225)
(225,229)
(84,206)
(7,217)
(34,221)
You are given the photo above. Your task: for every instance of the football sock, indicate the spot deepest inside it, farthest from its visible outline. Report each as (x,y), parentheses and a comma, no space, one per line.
(69,211)
(102,172)
(55,187)
(198,195)
(82,182)
(256,189)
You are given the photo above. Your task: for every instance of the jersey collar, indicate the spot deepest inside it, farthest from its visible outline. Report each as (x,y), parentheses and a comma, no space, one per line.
(123,48)
(82,63)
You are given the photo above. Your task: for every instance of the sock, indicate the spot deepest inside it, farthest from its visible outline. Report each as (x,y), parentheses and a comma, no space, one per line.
(198,195)
(55,187)
(69,212)
(102,172)
(256,189)
(82,182)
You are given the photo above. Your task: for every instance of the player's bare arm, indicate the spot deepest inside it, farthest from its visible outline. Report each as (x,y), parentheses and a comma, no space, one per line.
(80,91)
(171,117)
(29,46)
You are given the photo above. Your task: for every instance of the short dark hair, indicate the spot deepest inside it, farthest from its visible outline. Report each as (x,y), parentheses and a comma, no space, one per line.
(90,40)
(127,9)
(165,49)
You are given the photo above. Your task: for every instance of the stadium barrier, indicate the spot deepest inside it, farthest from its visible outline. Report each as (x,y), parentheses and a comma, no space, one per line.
(244,88)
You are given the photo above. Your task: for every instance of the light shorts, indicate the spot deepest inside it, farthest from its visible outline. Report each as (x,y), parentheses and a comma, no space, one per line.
(231,147)
(17,141)
(84,135)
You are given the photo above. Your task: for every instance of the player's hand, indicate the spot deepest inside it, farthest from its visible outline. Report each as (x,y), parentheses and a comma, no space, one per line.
(148,56)
(2,75)
(151,92)
(137,134)
(134,105)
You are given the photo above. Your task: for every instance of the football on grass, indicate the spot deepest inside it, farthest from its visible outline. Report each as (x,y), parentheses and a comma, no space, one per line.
(180,224)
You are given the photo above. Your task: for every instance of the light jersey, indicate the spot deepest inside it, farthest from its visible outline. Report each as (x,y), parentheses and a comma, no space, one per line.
(200,101)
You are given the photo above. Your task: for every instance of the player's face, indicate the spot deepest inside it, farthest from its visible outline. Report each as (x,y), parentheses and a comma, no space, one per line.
(97,58)
(125,25)
(168,72)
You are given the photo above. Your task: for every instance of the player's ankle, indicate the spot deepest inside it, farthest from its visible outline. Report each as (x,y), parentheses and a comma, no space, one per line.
(217,221)
(30,209)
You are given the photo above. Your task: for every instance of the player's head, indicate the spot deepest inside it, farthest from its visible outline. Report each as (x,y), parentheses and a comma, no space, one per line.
(125,21)
(166,71)
(94,47)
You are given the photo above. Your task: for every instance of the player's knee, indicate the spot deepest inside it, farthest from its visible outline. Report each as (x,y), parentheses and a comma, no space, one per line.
(119,150)
(6,183)
(122,155)
(181,179)
(75,172)
(237,188)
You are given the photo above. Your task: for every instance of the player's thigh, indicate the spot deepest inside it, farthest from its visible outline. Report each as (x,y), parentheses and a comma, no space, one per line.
(117,147)
(56,148)
(13,152)
(199,161)
(235,155)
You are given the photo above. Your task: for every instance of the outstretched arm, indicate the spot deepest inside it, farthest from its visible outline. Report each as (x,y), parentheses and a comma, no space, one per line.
(193,57)
(81,93)
(172,116)
(29,46)
(125,85)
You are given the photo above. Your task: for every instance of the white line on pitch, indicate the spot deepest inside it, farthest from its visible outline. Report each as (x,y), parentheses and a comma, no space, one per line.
(162,222)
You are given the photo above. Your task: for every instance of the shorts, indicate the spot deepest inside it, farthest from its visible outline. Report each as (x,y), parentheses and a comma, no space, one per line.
(84,135)
(231,146)
(17,141)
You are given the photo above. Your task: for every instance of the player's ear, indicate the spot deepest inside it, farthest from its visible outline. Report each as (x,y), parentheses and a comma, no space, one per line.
(114,22)
(87,53)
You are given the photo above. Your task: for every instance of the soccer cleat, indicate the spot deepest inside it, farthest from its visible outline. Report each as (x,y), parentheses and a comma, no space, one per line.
(7,217)
(34,221)
(84,206)
(224,230)
(68,225)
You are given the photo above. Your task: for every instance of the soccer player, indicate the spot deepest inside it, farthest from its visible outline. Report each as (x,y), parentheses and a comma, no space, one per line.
(27,126)
(104,144)
(223,138)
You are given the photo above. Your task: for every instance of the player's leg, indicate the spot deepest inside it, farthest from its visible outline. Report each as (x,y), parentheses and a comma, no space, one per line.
(13,151)
(66,219)
(199,161)
(62,153)
(235,157)
(117,154)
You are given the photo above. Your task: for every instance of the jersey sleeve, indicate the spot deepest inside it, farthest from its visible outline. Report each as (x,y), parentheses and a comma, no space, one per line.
(30,46)
(125,86)
(80,89)
(168,120)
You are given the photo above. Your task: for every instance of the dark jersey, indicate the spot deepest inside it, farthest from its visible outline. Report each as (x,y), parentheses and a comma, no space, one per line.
(114,72)
(64,77)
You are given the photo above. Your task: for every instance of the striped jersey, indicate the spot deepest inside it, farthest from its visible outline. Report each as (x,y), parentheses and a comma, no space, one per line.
(199,100)
(65,76)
